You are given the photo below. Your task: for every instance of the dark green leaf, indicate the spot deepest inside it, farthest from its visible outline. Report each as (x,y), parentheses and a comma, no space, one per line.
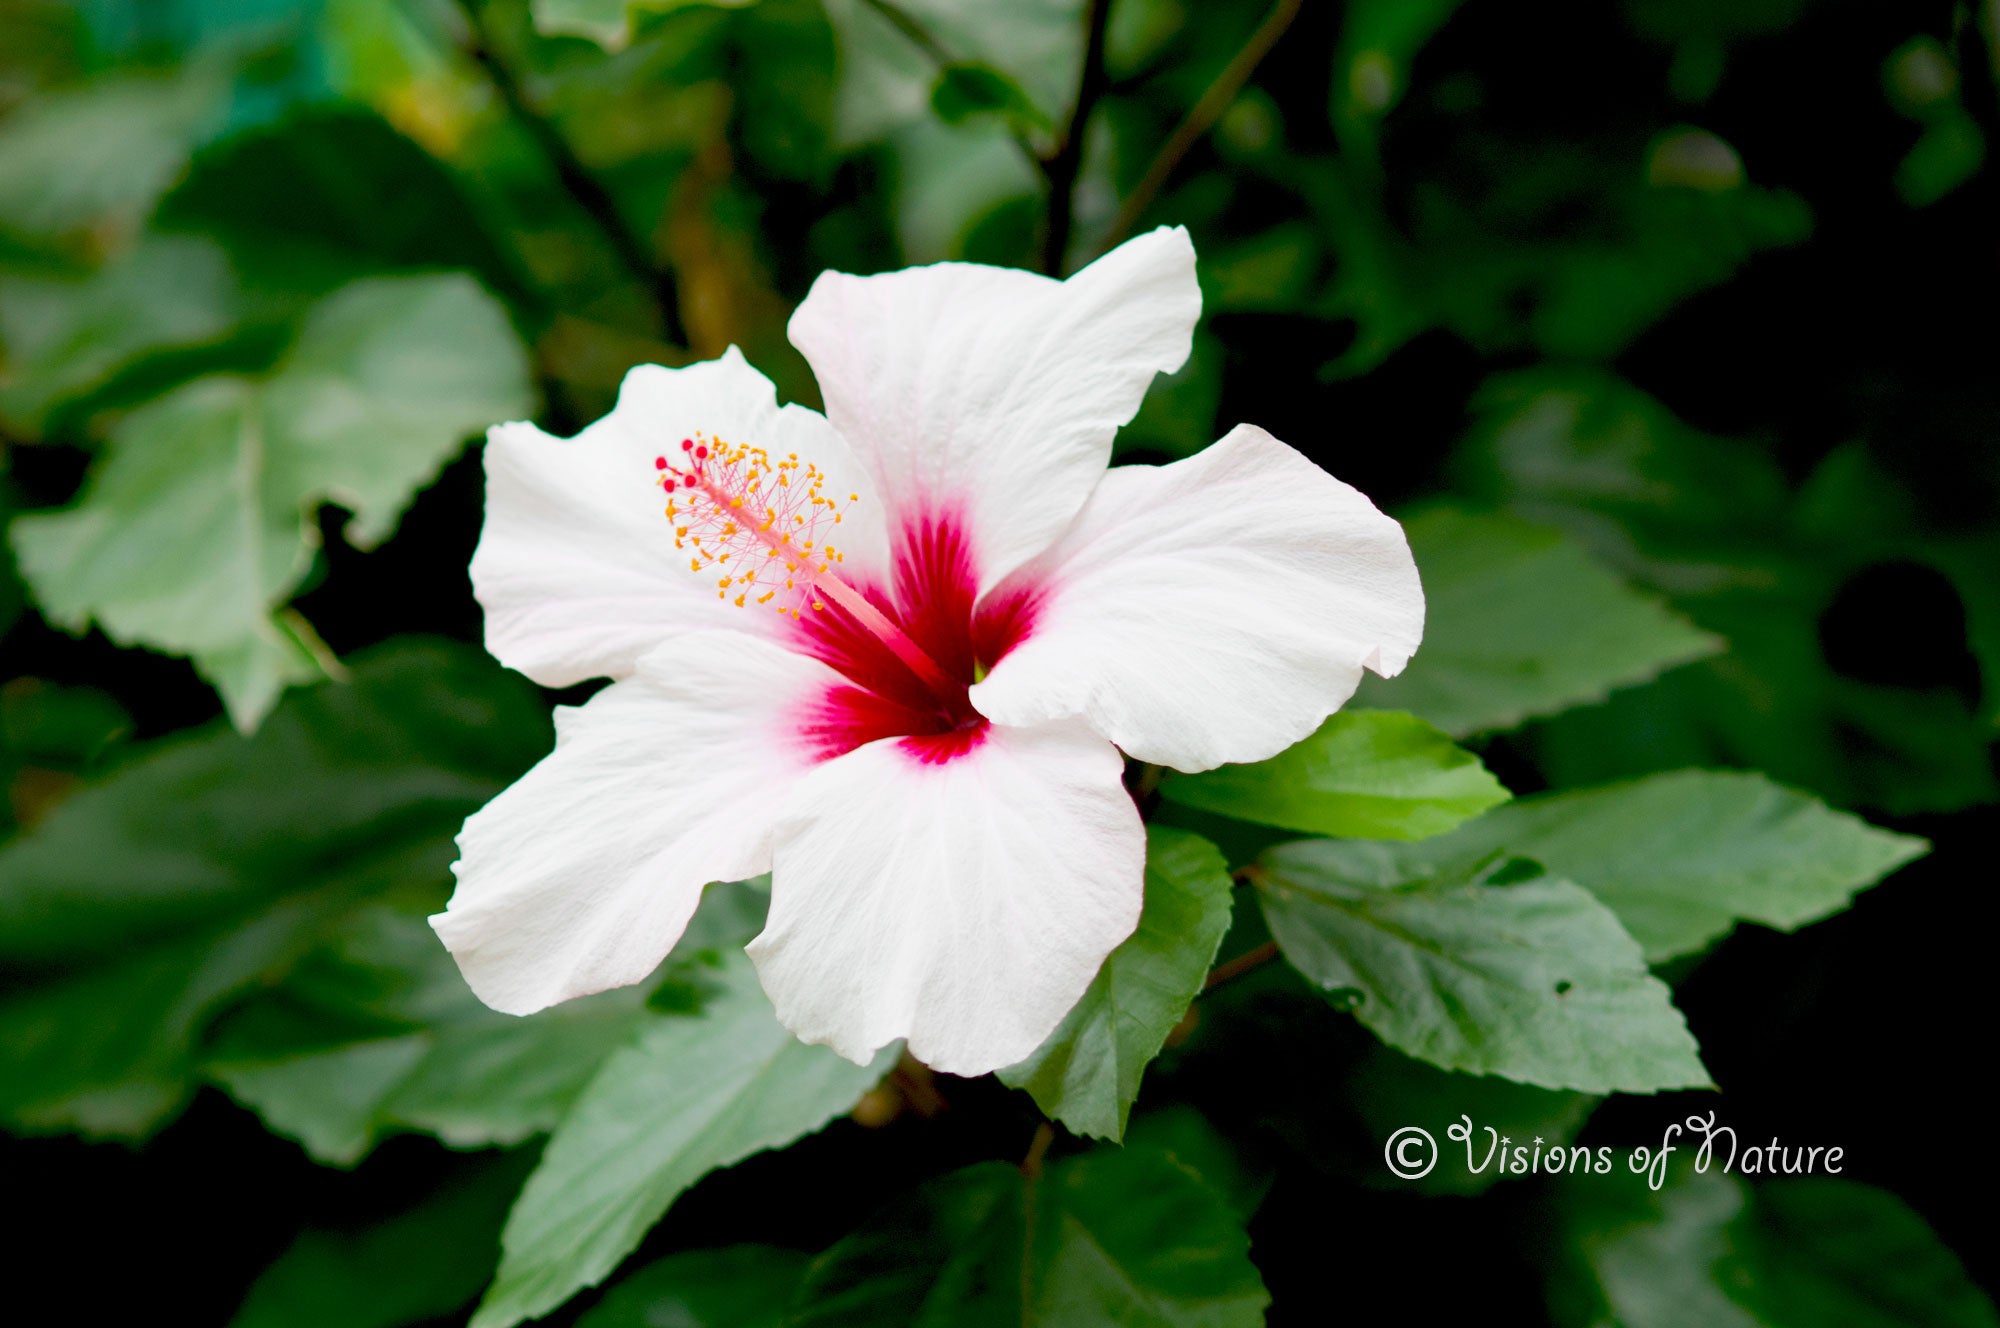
(1087,1074)
(1709,1249)
(1828,1250)
(1533,981)
(419,1265)
(688,1094)
(965,90)
(1379,40)
(1125,1237)
(1366,774)
(1681,857)
(738,1286)
(1520,622)
(445,1064)
(326,196)
(1713,522)
(1184,1134)
(213,863)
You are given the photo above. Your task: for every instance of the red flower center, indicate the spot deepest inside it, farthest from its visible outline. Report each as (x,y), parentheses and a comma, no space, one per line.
(909,651)
(933,603)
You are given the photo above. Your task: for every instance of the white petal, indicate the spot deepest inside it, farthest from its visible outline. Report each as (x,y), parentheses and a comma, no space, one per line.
(964,905)
(582,875)
(992,394)
(576,567)
(1217,609)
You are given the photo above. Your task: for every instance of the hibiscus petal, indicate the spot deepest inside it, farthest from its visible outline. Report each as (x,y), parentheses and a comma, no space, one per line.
(576,567)
(987,397)
(582,874)
(964,903)
(1216,609)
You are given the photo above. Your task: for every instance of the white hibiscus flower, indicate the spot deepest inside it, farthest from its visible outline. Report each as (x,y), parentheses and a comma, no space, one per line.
(891,654)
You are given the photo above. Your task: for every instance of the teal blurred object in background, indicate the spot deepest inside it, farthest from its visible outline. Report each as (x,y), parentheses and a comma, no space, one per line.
(1666,326)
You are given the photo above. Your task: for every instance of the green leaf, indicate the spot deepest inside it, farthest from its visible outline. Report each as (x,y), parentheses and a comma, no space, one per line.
(1709,1249)
(444,1064)
(104,151)
(209,865)
(888,72)
(1681,857)
(200,524)
(1577,255)
(687,1095)
(1828,1250)
(965,90)
(419,1265)
(1114,1237)
(738,1286)
(326,196)
(1366,774)
(1087,1074)
(1713,522)
(51,737)
(1533,981)
(1185,1135)
(1521,622)
(67,336)
(1379,41)
(609,23)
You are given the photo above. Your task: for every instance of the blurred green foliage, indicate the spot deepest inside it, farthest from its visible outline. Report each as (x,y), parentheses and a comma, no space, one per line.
(1666,326)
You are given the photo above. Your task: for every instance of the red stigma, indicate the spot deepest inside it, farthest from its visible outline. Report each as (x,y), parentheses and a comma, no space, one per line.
(668,486)
(701,454)
(659,463)
(687,444)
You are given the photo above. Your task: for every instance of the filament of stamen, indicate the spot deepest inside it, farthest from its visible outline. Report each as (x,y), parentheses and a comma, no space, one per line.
(729,501)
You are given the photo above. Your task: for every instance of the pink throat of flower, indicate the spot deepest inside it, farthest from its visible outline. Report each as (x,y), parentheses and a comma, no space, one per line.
(763,525)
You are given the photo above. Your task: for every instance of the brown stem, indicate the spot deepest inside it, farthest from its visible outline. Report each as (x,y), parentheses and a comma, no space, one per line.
(1240,965)
(585,189)
(1066,164)
(914,32)
(1201,119)
(1038,1147)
